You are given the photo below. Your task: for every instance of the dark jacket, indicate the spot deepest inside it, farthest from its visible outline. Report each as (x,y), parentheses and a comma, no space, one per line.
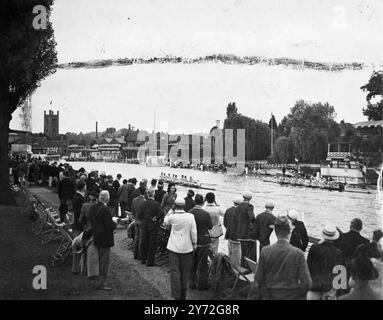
(130,191)
(262,226)
(151,209)
(299,237)
(116,185)
(77,202)
(159,194)
(91,185)
(230,221)
(66,188)
(112,194)
(245,214)
(103,228)
(321,260)
(348,242)
(203,223)
(137,207)
(93,212)
(369,250)
(189,203)
(122,194)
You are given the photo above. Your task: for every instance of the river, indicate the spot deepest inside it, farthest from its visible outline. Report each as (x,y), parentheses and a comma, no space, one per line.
(315,206)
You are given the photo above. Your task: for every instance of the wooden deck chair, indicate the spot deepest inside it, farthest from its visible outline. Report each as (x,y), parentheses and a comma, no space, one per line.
(253,267)
(241,275)
(65,247)
(53,220)
(42,225)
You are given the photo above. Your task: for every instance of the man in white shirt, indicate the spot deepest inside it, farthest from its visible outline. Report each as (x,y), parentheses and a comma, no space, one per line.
(182,242)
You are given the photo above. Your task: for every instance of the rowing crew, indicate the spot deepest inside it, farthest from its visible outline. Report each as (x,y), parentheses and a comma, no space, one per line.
(323,183)
(183,180)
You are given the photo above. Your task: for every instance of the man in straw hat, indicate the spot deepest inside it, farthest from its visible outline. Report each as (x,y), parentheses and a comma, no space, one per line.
(230,221)
(264,223)
(182,242)
(322,259)
(245,213)
(282,272)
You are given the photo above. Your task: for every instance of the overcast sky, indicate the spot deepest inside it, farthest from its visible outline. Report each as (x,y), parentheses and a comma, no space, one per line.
(192,97)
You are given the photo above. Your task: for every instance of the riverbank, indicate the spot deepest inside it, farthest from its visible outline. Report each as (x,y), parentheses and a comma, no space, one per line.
(129,278)
(21,250)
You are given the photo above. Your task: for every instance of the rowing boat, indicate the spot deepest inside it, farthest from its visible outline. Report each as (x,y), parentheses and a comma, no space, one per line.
(186,183)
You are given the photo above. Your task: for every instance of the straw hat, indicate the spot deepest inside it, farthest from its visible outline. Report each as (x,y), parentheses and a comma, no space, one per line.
(329,232)
(237,200)
(293,214)
(179,202)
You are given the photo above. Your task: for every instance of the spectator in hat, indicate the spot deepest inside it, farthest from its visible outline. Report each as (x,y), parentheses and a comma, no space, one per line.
(103,237)
(66,190)
(349,241)
(151,215)
(321,260)
(282,272)
(230,221)
(116,183)
(199,273)
(215,213)
(159,194)
(189,201)
(122,196)
(263,225)
(138,216)
(131,187)
(299,237)
(91,183)
(78,200)
(182,242)
(246,218)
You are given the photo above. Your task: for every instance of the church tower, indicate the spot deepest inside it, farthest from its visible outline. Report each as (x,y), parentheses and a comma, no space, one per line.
(51,124)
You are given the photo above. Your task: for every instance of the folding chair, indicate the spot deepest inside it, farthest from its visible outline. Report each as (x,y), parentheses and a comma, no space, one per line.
(253,267)
(65,247)
(161,257)
(241,274)
(54,223)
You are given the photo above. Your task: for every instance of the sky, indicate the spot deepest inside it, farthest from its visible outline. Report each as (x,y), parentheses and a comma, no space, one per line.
(189,98)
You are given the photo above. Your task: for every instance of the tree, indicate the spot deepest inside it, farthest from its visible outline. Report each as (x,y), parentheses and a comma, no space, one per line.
(27,56)
(257,133)
(374,88)
(309,128)
(283,150)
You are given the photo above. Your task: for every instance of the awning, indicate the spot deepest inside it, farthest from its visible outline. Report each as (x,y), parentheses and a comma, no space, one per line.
(369,124)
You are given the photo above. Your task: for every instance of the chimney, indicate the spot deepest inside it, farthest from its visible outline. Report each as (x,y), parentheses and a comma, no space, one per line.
(218,123)
(96,130)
